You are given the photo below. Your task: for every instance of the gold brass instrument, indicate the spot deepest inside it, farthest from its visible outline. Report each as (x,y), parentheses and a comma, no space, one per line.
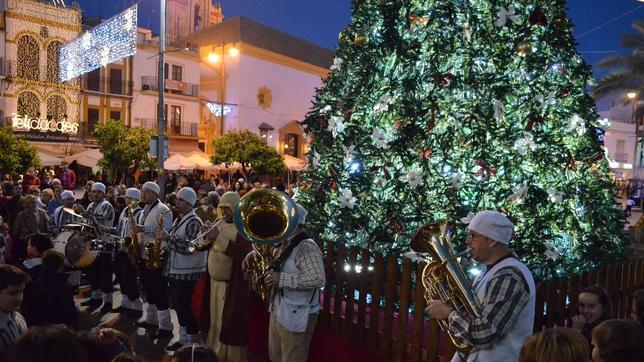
(200,243)
(443,277)
(153,247)
(131,242)
(264,217)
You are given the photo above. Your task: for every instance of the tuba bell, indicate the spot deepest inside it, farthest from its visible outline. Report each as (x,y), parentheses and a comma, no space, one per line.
(265,217)
(443,277)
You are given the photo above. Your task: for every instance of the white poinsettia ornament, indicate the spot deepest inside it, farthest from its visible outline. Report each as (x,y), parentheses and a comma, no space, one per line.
(577,124)
(499,110)
(326,109)
(336,125)
(414,178)
(545,101)
(552,252)
(456,180)
(337,63)
(349,152)
(525,144)
(519,194)
(503,15)
(383,103)
(315,161)
(554,195)
(468,218)
(379,138)
(347,200)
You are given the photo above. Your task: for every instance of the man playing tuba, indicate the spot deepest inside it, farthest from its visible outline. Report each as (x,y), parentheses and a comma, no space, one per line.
(506,291)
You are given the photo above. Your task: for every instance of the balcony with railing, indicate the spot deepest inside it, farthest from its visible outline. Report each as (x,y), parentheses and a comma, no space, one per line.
(182,129)
(171,86)
(106,86)
(41,74)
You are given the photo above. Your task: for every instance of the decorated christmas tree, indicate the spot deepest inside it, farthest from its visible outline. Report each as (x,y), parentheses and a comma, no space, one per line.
(439,109)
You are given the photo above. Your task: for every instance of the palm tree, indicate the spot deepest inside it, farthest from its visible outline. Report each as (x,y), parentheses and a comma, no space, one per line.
(627,70)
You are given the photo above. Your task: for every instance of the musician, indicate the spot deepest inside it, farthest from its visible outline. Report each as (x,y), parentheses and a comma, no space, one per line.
(157,313)
(229,294)
(100,272)
(506,291)
(295,297)
(131,303)
(183,267)
(60,217)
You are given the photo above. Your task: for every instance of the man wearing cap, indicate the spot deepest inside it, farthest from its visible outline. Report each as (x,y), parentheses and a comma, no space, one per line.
(295,297)
(131,303)
(157,312)
(100,271)
(505,289)
(66,176)
(62,218)
(184,267)
(227,295)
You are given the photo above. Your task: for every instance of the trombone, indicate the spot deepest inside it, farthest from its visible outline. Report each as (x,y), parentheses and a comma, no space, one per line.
(198,243)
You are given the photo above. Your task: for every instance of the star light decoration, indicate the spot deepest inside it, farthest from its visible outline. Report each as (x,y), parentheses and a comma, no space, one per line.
(110,41)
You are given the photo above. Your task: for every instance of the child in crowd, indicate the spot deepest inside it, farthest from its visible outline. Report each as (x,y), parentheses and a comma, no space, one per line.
(618,341)
(48,343)
(37,244)
(555,344)
(594,308)
(50,298)
(12,324)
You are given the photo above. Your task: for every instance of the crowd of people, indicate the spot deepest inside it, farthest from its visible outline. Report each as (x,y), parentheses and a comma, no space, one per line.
(155,250)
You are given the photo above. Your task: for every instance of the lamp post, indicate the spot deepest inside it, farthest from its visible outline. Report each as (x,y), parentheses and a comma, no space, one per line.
(214,58)
(160,107)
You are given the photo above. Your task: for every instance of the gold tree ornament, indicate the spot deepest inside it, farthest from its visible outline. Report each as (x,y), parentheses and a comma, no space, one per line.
(360,40)
(264,97)
(524,49)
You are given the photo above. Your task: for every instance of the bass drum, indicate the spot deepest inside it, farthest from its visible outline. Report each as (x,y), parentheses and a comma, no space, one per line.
(76,245)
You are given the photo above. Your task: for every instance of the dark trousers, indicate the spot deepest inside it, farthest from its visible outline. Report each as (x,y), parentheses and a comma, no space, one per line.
(181,296)
(100,273)
(126,274)
(155,286)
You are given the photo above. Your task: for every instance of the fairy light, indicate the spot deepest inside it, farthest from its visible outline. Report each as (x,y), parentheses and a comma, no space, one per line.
(110,41)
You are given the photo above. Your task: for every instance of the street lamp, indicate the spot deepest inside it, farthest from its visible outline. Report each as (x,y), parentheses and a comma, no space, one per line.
(215,58)
(160,107)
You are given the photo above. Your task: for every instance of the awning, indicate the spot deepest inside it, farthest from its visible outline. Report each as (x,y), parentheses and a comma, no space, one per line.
(294,163)
(49,159)
(179,162)
(87,158)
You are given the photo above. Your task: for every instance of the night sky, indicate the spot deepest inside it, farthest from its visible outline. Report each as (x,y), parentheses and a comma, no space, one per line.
(320,21)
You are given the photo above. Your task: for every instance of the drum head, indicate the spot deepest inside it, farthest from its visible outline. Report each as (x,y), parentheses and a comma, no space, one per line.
(61,240)
(78,252)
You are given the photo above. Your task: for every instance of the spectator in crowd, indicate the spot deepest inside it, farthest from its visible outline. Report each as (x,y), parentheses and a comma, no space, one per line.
(104,344)
(35,191)
(12,202)
(194,353)
(37,245)
(220,190)
(87,195)
(629,206)
(46,196)
(205,210)
(12,323)
(594,308)
(555,344)
(128,357)
(55,202)
(31,220)
(5,242)
(637,311)
(30,179)
(45,179)
(48,343)
(50,298)
(66,176)
(618,341)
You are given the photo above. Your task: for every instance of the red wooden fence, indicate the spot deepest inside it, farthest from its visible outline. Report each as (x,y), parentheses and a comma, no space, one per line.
(373,302)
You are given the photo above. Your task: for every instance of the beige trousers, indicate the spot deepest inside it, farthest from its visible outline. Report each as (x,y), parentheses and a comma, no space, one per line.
(224,352)
(287,346)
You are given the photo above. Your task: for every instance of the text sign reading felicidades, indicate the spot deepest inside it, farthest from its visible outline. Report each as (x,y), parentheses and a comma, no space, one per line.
(42,129)
(110,41)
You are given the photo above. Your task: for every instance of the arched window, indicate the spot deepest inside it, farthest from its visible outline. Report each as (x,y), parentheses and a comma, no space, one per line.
(56,107)
(28,66)
(28,104)
(53,55)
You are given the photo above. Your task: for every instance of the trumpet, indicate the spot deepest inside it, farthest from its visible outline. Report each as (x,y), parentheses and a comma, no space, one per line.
(199,243)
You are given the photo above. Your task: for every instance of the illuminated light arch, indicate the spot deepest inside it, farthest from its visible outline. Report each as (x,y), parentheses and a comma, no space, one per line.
(56,107)
(28,104)
(28,52)
(53,57)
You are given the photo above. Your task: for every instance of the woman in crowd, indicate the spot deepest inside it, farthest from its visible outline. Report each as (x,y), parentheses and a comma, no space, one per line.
(618,341)
(594,308)
(555,344)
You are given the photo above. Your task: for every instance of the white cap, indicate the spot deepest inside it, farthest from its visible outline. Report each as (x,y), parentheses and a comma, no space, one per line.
(152,187)
(188,195)
(67,195)
(241,180)
(492,224)
(133,193)
(98,186)
(301,214)
(229,199)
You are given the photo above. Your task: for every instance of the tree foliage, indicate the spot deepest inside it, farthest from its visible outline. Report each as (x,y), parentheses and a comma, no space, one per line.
(17,154)
(440,109)
(123,148)
(250,151)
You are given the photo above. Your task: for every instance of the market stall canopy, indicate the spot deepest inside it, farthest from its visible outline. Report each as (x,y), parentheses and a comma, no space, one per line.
(179,162)
(49,159)
(202,160)
(87,158)
(294,163)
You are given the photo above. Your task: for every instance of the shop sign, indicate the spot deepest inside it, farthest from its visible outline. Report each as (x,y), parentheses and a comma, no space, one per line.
(27,124)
